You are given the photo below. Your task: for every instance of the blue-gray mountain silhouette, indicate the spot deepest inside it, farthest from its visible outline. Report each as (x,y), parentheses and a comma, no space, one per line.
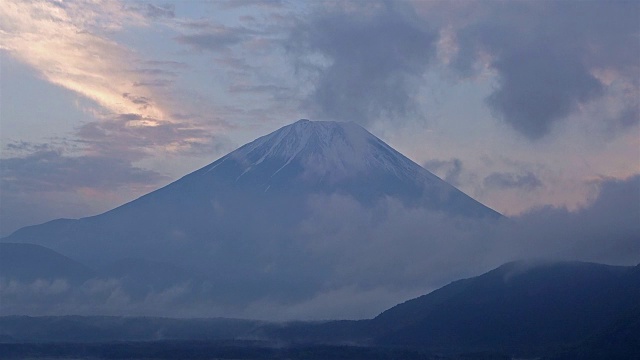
(234,220)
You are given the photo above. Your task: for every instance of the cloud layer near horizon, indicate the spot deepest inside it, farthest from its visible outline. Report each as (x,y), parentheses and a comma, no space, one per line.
(357,260)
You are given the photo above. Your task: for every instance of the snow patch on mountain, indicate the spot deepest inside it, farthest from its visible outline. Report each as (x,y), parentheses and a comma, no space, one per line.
(342,149)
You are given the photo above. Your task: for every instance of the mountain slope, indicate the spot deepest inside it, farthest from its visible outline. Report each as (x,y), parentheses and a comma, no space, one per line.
(618,340)
(519,307)
(523,309)
(29,263)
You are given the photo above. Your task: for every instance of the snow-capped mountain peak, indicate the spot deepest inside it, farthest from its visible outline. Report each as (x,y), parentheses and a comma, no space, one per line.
(325,148)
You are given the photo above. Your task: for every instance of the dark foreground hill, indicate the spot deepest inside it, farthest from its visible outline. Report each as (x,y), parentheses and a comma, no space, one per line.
(618,340)
(517,308)
(569,310)
(521,309)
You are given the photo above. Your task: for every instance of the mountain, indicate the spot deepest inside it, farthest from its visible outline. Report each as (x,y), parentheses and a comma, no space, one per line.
(33,278)
(28,263)
(618,340)
(521,309)
(240,220)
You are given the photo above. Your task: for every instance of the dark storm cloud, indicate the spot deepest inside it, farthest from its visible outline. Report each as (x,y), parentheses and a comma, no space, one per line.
(505,180)
(545,54)
(551,58)
(373,59)
(450,169)
(52,171)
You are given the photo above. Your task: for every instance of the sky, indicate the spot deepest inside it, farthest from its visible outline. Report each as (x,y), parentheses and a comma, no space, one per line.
(523,105)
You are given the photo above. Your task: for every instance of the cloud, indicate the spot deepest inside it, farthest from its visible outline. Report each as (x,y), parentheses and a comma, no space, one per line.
(545,68)
(81,57)
(160,11)
(548,67)
(390,248)
(133,137)
(96,296)
(367,62)
(450,169)
(232,4)
(25,146)
(606,230)
(94,171)
(49,170)
(503,180)
(39,287)
(215,38)
(349,260)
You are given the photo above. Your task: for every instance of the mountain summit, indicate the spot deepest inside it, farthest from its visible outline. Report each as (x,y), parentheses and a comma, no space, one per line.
(243,222)
(328,150)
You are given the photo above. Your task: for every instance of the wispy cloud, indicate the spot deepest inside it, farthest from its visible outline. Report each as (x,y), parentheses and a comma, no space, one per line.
(215,38)
(504,180)
(65,43)
(50,170)
(449,169)
(69,44)
(133,136)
